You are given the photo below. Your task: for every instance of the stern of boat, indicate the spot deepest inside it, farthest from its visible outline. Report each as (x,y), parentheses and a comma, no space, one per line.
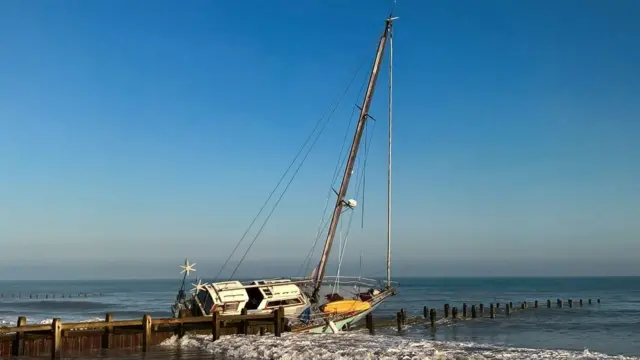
(343,320)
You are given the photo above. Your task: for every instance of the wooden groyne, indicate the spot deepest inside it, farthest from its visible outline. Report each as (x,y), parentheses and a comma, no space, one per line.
(448,313)
(36,295)
(60,338)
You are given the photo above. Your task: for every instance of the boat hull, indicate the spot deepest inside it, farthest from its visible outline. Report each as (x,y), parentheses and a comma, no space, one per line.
(348,320)
(326,329)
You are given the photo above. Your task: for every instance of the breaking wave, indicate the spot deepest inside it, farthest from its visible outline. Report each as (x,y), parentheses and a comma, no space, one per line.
(359,345)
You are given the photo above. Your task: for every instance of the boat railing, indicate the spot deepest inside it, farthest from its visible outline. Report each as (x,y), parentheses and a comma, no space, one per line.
(348,280)
(328,280)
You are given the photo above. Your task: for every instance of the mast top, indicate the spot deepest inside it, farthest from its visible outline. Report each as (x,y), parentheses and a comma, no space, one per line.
(391,17)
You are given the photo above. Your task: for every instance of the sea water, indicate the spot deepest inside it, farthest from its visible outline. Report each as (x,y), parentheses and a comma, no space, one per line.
(609,330)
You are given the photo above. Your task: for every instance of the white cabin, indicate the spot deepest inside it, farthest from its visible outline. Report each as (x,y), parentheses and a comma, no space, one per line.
(230,297)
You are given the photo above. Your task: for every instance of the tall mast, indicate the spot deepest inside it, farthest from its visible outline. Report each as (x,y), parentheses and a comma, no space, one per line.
(389,154)
(364,111)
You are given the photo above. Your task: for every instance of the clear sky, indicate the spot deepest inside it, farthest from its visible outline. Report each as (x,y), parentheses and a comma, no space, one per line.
(141,132)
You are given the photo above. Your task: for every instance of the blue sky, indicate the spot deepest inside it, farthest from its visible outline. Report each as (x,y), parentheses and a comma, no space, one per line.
(138,131)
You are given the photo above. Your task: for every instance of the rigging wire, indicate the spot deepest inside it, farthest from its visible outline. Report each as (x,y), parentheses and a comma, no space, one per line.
(364,175)
(367,147)
(341,247)
(339,99)
(340,164)
(321,227)
(363,161)
(297,170)
(336,171)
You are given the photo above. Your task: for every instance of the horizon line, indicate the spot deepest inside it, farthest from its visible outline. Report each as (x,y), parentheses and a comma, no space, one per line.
(374,278)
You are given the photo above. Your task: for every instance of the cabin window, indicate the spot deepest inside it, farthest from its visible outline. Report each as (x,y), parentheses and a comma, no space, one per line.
(292,302)
(231,306)
(255,298)
(274,303)
(286,302)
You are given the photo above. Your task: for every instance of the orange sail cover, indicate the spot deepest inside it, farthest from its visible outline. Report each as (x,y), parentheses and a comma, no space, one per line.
(344,306)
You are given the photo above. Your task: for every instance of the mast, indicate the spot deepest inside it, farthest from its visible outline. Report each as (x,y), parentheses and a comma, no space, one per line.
(389,155)
(364,113)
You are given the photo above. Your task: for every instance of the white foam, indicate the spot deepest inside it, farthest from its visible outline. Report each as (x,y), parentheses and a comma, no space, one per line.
(49,321)
(359,345)
(5,322)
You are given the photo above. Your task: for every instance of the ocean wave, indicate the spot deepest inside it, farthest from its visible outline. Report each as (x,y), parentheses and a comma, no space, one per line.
(49,321)
(359,345)
(31,321)
(55,305)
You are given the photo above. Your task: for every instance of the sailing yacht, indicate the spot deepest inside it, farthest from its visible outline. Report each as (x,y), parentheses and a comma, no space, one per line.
(306,309)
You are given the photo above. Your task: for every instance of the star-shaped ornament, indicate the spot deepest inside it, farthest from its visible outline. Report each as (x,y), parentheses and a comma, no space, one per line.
(197,286)
(187,267)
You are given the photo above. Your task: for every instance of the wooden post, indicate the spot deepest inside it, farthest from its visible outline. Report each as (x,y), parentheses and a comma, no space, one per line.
(481,309)
(510,305)
(17,348)
(56,328)
(215,324)
(182,314)
(106,336)
(580,302)
(277,323)
(535,304)
(369,321)
(473,312)
(446,310)
(244,323)
(559,303)
(404,316)
(425,312)
(497,305)
(523,306)
(492,311)
(432,318)
(464,310)
(261,330)
(598,301)
(570,303)
(508,310)
(146,336)
(282,319)
(454,312)
(399,320)
(589,301)
(549,303)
